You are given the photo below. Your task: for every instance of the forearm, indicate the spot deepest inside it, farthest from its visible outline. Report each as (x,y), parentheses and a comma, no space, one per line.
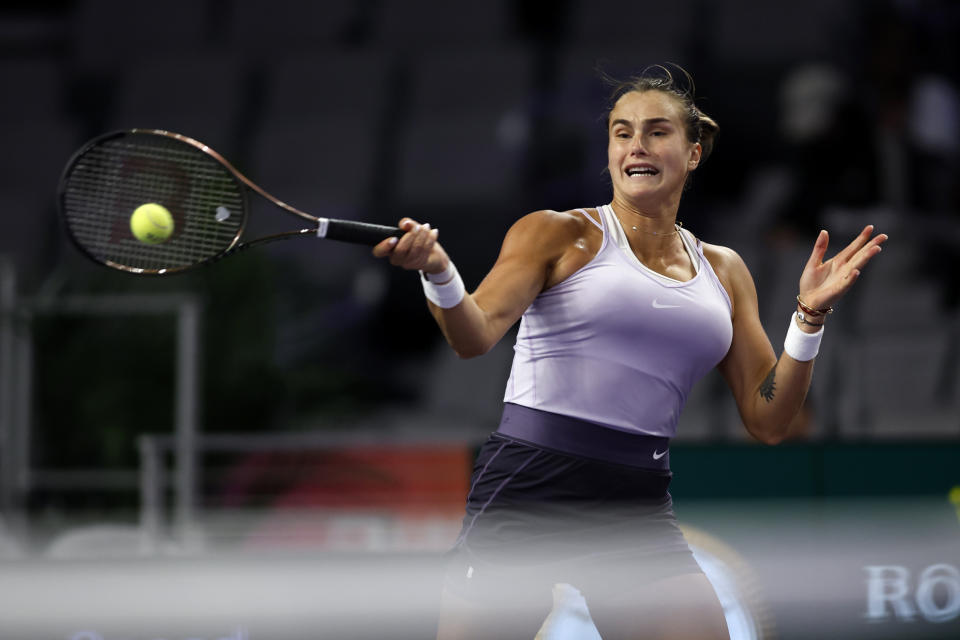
(460,318)
(466,327)
(781,394)
(778,399)
(473,323)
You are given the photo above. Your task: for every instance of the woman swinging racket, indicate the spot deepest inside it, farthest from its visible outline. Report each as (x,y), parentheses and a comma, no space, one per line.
(621,311)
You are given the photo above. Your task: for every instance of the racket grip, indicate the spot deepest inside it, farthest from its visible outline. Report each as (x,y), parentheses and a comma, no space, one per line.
(355,232)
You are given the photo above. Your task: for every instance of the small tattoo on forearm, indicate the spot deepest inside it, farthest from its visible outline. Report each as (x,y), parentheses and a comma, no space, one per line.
(769,385)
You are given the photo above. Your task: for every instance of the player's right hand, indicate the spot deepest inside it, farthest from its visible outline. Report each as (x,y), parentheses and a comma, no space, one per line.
(417,249)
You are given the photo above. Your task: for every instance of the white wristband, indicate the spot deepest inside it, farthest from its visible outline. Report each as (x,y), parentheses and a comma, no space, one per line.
(446,295)
(799,344)
(444,276)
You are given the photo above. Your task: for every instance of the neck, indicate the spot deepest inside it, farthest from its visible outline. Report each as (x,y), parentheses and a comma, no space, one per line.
(644,226)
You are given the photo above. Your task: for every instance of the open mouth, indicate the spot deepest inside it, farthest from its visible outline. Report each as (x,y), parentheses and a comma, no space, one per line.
(643,171)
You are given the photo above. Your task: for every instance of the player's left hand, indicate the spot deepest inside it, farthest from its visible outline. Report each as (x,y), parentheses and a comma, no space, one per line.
(823,283)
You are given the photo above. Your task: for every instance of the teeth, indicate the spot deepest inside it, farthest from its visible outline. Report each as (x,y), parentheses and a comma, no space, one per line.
(642,172)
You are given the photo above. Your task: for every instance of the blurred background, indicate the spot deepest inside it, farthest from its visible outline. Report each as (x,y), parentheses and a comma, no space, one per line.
(298,398)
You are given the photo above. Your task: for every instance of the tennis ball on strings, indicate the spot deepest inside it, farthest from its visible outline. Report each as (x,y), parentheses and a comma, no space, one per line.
(151,223)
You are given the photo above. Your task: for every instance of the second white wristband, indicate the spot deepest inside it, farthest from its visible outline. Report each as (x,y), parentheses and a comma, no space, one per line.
(799,344)
(446,295)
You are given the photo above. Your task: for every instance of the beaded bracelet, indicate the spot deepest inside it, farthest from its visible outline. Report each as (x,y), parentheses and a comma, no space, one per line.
(803,319)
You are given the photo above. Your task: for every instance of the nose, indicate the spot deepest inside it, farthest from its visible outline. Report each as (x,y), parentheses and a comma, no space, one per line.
(636,146)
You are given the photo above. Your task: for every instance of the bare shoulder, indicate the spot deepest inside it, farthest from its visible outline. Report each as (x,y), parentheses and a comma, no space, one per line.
(555,243)
(547,229)
(725,261)
(732,271)
(559,222)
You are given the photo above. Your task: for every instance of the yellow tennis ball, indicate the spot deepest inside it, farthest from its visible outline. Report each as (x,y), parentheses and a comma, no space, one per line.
(954,496)
(151,223)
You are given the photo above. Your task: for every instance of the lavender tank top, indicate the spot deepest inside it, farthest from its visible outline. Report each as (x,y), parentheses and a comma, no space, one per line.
(618,344)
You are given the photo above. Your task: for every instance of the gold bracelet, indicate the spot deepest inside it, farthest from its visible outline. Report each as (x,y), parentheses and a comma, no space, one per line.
(810,310)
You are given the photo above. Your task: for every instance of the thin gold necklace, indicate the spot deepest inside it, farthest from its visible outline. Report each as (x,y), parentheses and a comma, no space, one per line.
(675,231)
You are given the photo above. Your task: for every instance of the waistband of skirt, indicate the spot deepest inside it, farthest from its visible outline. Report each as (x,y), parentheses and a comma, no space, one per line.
(582,438)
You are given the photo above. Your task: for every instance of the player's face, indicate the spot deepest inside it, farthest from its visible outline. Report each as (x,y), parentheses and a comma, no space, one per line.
(648,154)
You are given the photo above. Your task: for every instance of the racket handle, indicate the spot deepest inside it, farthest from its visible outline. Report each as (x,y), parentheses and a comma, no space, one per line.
(355,232)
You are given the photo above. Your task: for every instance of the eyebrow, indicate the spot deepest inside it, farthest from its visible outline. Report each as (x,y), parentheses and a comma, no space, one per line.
(627,123)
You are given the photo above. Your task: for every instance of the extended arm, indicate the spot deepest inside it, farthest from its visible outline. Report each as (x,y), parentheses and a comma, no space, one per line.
(530,250)
(770,391)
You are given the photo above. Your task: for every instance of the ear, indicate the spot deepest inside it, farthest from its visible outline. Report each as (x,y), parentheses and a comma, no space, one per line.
(694,159)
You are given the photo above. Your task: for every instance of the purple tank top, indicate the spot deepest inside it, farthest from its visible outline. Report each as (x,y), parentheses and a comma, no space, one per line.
(618,344)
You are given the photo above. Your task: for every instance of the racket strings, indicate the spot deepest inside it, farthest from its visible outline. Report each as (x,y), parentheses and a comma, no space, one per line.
(108,181)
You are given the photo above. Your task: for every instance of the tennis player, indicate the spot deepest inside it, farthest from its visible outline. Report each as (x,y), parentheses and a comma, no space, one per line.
(622,310)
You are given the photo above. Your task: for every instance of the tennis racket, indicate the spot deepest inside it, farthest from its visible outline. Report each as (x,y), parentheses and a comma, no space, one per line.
(113,174)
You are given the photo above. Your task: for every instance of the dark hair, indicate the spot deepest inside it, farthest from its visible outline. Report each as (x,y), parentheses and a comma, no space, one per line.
(699,126)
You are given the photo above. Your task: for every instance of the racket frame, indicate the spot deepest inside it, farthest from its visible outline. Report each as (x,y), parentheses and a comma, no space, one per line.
(324,227)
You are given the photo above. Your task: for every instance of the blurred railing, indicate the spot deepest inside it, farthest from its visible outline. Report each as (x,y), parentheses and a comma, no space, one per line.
(18,477)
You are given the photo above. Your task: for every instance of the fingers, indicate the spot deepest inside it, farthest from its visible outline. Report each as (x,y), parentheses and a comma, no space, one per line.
(828,284)
(383,249)
(413,249)
(422,239)
(819,250)
(863,248)
(867,252)
(856,245)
